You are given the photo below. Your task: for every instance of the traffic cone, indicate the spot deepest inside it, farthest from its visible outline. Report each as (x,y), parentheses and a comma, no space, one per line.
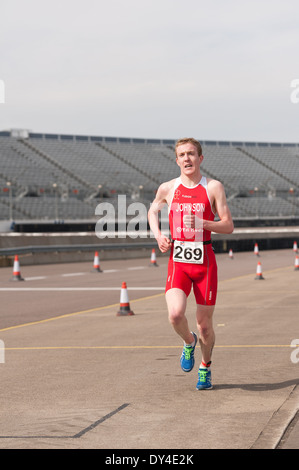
(230,254)
(295,247)
(124,302)
(297,263)
(153,258)
(256,250)
(96,263)
(16,270)
(259,274)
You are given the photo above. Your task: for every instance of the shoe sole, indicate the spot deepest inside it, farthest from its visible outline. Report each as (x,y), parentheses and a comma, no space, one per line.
(187,370)
(205,388)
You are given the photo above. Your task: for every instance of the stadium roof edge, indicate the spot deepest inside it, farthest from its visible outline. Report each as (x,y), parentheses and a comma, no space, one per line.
(133,140)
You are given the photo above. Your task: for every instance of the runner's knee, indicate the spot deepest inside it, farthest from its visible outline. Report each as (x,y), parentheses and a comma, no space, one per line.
(205,329)
(175,315)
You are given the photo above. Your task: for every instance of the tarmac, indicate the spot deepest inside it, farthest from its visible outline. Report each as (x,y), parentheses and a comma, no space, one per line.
(74,375)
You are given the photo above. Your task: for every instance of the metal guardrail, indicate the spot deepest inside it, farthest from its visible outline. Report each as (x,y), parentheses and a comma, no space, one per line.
(24,250)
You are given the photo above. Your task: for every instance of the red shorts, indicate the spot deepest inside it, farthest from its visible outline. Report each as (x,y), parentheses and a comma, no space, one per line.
(202,276)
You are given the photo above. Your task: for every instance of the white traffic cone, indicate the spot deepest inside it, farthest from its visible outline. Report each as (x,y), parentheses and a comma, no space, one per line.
(256,249)
(153,258)
(230,254)
(96,263)
(16,270)
(259,275)
(124,309)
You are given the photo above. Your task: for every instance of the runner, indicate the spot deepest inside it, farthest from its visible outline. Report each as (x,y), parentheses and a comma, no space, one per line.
(193,202)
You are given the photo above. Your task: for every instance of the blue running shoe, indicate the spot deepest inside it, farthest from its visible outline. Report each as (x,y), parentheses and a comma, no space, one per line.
(187,357)
(204,380)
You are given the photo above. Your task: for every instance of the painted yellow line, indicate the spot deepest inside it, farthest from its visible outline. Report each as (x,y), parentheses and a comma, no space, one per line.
(254,346)
(60,317)
(68,315)
(244,276)
(228,346)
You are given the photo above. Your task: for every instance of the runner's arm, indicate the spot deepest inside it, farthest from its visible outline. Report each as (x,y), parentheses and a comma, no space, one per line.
(225,224)
(160,200)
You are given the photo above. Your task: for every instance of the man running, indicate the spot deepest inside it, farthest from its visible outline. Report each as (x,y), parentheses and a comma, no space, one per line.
(193,201)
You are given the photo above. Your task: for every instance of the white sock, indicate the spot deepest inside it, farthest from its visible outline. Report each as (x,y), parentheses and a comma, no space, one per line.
(203,365)
(192,344)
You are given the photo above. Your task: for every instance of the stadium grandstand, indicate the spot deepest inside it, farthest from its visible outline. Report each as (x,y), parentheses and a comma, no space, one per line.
(60,179)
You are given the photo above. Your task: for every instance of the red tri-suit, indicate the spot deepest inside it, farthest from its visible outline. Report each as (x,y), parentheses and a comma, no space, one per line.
(192,263)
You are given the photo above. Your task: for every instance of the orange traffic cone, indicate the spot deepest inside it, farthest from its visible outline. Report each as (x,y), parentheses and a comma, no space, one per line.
(256,250)
(96,263)
(259,274)
(295,247)
(124,302)
(153,258)
(297,263)
(16,270)
(230,254)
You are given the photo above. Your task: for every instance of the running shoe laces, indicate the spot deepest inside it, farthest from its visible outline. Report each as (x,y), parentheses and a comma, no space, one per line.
(204,380)
(188,351)
(187,357)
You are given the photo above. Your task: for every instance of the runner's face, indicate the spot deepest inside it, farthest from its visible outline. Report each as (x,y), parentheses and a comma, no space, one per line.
(188,159)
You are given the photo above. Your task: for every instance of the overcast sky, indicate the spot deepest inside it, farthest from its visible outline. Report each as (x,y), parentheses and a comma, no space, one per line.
(151,68)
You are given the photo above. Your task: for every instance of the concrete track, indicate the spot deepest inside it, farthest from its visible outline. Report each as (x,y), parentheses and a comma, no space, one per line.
(76,376)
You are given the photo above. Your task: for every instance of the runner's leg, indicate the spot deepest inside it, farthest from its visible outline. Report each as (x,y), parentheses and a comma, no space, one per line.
(204,318)
(176,301)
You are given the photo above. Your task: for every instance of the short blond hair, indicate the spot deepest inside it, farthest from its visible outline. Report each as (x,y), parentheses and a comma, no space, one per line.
(189,140)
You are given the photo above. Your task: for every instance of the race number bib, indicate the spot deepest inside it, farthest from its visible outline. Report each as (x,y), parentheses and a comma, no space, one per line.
(188,252)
